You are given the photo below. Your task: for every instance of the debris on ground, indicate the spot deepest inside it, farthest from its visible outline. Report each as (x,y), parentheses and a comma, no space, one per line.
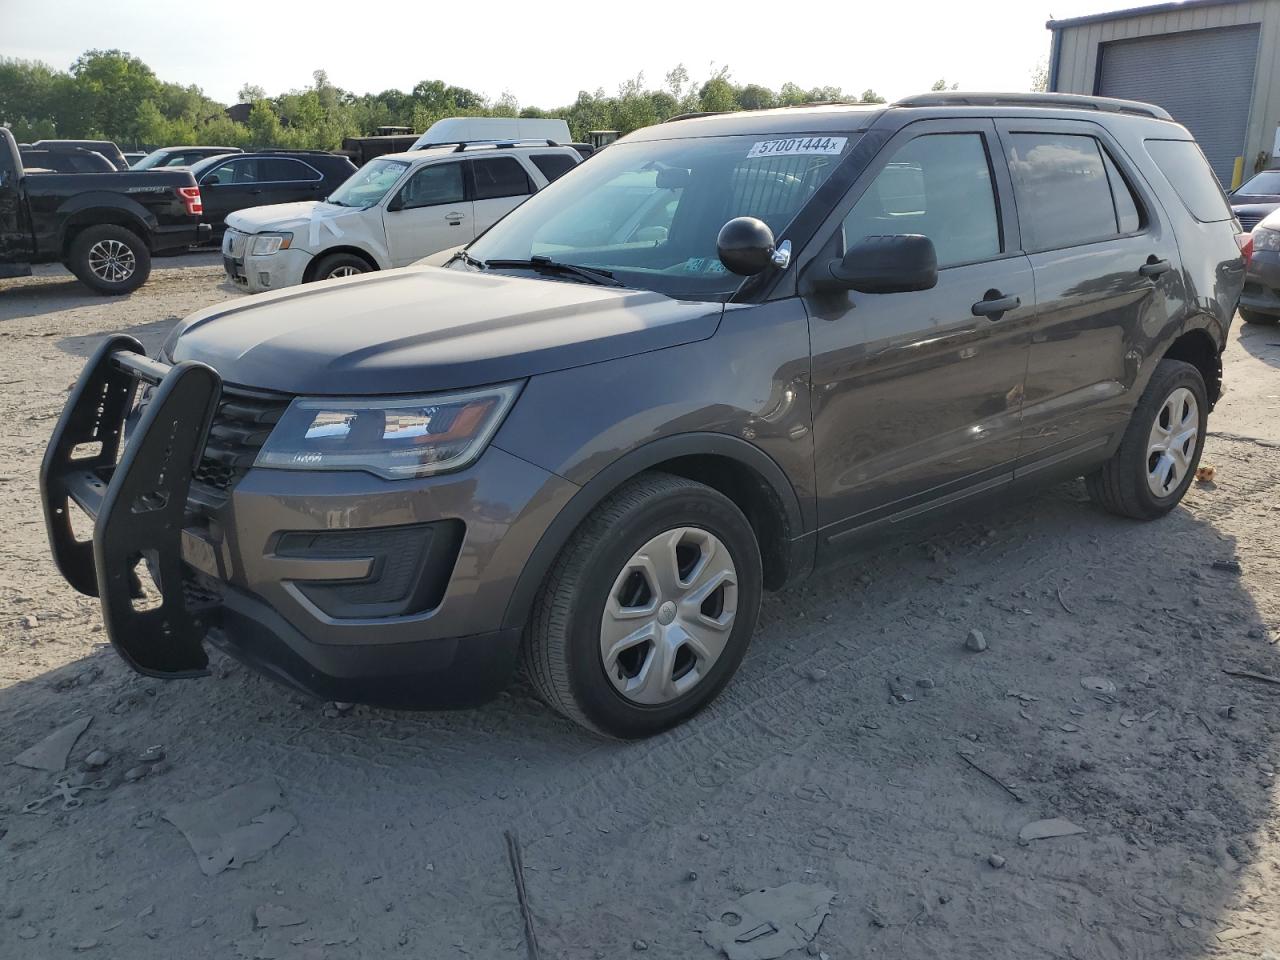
(766,924)
(975,641)
(1047,829)
(992,777)
(1205,473)
(274,915)
(97,759)
(1251,675)
(1227,566)
(235,827)
(1098,684)
(134,774)
(997,861)
(51,753)
(152,754)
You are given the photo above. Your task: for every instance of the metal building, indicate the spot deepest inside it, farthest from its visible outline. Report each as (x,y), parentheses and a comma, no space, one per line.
(1213,64)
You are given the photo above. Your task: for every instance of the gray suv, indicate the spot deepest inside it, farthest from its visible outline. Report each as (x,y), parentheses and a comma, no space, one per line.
(723,352)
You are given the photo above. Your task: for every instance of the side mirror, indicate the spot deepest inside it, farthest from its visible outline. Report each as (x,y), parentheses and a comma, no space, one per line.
(885,264)
(745,246)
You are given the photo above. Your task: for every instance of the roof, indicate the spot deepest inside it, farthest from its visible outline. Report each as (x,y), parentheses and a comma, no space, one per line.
(1172,7)
(833,117)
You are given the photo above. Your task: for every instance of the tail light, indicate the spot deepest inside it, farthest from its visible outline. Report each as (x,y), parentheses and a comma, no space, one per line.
(1245,242)
(190,197)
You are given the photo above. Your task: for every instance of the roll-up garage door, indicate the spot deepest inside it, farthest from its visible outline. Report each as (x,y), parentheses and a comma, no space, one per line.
(1203,77)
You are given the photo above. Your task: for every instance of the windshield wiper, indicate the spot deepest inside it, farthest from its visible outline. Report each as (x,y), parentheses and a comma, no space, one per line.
(468,259)
(594,275)
(336,203)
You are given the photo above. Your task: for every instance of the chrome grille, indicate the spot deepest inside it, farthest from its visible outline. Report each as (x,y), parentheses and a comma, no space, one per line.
(1248,220)
(233,243)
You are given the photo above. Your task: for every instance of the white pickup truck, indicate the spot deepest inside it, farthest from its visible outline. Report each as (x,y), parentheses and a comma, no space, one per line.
(394,210)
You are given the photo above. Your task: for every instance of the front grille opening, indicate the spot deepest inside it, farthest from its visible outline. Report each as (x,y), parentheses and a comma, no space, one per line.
(240,427)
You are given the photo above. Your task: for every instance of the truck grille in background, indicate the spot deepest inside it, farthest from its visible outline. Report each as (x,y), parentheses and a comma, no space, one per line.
(1248,220)
(239,429)
(233,243)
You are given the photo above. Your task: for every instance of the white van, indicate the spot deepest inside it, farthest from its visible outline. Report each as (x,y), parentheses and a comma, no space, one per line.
(393,211)
(455,130)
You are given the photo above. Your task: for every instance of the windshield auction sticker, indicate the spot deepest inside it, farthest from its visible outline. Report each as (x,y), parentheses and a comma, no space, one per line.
(797,146)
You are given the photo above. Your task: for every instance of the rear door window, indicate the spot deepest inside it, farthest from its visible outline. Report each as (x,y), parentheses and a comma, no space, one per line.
(500,177)
(553,165)
(1186,168)
(1063,192)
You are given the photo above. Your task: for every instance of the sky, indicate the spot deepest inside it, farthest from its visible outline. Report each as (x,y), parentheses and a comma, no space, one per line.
(545,53)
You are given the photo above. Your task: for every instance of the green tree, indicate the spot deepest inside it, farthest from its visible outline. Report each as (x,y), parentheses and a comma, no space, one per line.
(112,84)
(755,97)
(251,93)
(870,96)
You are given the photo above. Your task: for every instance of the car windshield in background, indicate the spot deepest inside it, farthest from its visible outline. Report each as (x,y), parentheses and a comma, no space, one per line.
(649,212)
(369,184)
(159,158)
(1265,184)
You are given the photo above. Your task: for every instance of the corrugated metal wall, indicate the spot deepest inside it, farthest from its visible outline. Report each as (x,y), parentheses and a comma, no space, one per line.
(1172,70)
(1079,49)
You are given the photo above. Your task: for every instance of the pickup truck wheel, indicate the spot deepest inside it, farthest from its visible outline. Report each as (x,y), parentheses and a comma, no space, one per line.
(1157,458)
(648,610)
(110,259)
(340,265)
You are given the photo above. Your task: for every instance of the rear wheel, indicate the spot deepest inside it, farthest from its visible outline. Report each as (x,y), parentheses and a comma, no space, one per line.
(1253,316)
(649,609)
(1157,459)
(110,259)
(340,265)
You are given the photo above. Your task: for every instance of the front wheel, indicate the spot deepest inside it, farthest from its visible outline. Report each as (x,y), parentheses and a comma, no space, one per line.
(340,265)
(1157,459)
(648,610)
(110,259)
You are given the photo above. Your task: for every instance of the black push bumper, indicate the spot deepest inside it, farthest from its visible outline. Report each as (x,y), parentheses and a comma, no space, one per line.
(138,499)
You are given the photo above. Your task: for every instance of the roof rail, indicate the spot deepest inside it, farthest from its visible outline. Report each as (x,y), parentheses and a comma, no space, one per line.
(961,98)
(695,116)
(460,145)
(288,150)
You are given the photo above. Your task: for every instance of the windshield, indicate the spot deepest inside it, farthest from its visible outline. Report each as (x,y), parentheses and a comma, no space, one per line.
(1267,183)
(649,212)
(369,184)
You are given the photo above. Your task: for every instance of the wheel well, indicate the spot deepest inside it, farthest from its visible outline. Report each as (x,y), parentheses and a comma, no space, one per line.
(1197,348)
(80,221)
(310,273)
(753,495)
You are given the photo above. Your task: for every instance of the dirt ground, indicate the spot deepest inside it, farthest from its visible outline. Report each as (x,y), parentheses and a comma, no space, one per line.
(840,755)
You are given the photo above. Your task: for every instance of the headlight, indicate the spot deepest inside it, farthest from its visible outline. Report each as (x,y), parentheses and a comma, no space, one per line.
(265,244)
(394,438)
(1265,238)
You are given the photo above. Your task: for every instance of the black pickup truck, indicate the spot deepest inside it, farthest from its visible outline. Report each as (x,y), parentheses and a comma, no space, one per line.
(103,226)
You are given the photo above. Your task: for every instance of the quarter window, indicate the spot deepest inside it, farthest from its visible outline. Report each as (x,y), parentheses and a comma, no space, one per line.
(433,185)
(1185,166)
(500,177)
(938,185)
(553,165)
(1064,188)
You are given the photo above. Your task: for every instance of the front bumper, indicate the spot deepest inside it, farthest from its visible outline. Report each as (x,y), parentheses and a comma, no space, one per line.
(1261,292)
(284,268)
(258,573)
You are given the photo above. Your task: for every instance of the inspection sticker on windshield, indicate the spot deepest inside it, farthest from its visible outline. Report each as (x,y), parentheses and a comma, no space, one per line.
(797,146)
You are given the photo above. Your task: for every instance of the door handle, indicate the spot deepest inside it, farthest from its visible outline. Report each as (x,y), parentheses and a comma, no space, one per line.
(455,219)
(1154,267)
(994,304)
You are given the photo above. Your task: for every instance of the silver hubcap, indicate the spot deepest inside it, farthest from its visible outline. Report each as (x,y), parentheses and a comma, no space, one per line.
(1172,442)
(344,272)
(668,616)
(112,261)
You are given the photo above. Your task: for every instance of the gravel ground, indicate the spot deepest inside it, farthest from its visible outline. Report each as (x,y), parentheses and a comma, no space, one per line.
(861,747)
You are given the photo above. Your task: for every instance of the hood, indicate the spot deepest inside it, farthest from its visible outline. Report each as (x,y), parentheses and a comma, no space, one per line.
(286,216)
(421,329)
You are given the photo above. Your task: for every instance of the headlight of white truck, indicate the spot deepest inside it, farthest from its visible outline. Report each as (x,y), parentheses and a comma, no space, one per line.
(265,244)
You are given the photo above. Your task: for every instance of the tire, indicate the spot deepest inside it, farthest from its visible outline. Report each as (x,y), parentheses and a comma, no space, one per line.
(633,694)
(339,265)
(109,259)
(1145,483)
(1253,316)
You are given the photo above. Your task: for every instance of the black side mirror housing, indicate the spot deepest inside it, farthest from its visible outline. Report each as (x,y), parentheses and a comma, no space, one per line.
(882,264)
(745,246)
